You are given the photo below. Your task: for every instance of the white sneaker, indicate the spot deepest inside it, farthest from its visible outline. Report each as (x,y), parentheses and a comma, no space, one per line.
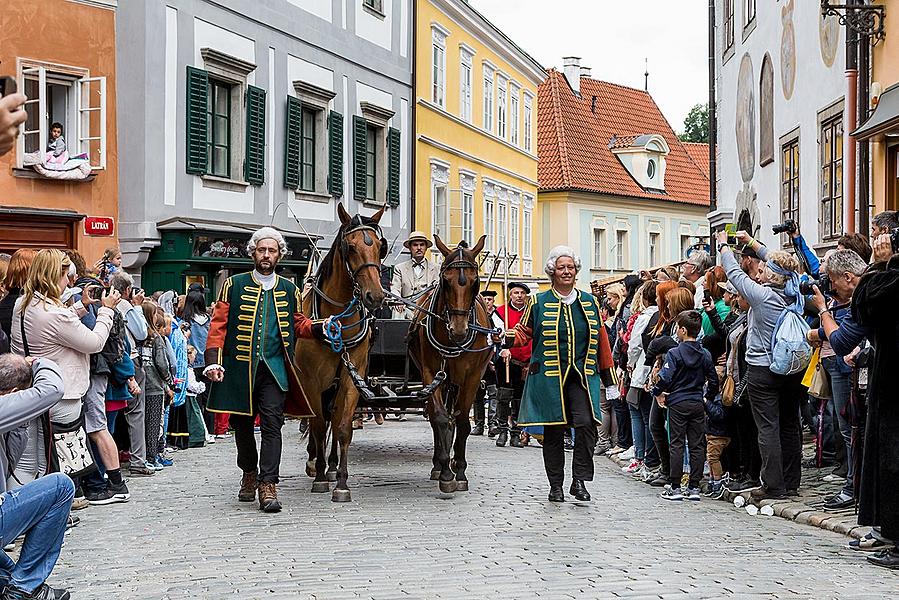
(210,439)
(627,454)
(633,467)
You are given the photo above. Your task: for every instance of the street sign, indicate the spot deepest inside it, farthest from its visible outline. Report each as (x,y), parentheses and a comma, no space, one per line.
(100,226)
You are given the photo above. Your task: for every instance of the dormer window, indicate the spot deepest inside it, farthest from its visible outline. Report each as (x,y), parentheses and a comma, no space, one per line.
(644,158)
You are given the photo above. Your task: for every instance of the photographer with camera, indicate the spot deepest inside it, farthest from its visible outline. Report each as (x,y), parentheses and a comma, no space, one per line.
(808,260)
(839,336)
(885,235)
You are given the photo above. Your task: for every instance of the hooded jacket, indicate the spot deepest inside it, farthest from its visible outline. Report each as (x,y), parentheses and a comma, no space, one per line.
(687,370)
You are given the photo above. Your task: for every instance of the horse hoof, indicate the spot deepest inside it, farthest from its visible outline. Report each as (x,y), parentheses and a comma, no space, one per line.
(331,475)
(340,496)
(435,474)
(320,487)
(448,487)
(310,469)
(461,486)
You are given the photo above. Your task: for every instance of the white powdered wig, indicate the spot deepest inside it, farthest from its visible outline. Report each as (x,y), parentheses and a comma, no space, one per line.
(267,233)
(555,254)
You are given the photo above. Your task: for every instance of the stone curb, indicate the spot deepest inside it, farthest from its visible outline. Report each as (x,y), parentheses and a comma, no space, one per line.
(844,522)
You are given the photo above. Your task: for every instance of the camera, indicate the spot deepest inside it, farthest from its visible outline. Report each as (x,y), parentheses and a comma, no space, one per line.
(823,283)
(894,239)
(788,226)
(96,292)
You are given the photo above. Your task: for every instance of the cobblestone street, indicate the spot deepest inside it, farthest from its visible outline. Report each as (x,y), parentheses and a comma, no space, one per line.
(184,535)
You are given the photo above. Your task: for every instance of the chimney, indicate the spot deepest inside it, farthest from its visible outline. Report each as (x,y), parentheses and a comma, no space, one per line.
(572,69)
(586,72)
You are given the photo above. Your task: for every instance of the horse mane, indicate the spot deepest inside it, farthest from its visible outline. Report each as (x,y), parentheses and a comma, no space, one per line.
(326,268)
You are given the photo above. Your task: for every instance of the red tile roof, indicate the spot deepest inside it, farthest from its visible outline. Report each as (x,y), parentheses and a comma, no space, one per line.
(699,152)
(574,142)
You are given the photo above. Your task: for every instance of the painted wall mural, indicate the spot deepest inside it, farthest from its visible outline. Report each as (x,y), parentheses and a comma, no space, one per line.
(766,112)
(788,51)
(746,211)
(829,35)
(745,119)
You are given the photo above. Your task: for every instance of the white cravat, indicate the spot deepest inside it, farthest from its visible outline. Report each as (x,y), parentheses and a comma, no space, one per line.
(570,298)
(266,281)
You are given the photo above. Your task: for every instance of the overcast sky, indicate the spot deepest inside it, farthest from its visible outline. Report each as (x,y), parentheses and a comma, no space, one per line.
(613,37)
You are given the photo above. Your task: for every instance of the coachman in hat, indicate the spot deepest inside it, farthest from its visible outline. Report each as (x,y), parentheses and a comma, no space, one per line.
(415,274)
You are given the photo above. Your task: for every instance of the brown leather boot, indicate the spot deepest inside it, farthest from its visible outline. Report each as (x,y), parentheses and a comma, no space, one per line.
(247,491)
(268,497)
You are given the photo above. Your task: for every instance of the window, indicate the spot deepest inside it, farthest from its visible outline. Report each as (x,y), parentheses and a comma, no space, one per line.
(513,230)
(490,224)
(789,184)
(748,11)
(526,231)
(465,86)
(501,108)
(502,227)
(832,178)
(620,249)
(218,124)
(307,151)
(313,144)
(375,5)
(728,20)
(438,68)
(371,161)
(513,115)
(686,243)
(441,226)
(654,249)
(599,243)
(528,121)
(64,95)
(488,98)
(468,216)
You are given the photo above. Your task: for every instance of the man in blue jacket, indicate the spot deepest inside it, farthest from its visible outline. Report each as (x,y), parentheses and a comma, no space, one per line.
(40,508)
(687,372)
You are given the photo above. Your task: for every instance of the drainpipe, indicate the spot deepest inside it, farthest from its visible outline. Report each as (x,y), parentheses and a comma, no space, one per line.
(849,173)
(864,63)
(414,103)
(713,128)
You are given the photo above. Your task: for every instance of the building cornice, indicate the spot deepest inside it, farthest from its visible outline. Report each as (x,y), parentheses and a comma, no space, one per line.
(105,4)
(450,150)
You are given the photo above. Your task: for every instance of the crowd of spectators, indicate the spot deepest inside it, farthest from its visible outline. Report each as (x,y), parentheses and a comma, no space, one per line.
(739,426)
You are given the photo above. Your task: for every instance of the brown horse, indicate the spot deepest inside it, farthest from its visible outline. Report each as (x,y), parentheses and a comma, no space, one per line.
(348,286)
(450,344)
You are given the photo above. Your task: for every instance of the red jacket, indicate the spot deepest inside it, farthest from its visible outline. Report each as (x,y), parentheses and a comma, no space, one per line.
(519,353)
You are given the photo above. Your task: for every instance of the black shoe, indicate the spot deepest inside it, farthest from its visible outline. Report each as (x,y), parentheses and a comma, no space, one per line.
(502,438)
(492,431)
(43,592)
(793,493)
(569,443)
(660,480)
(839,502)
(107,496)
(579,490)
(744,485)
(478,429)
(515,440)
(869,543)
(888,559)
(556,494)
(121,491)
(765,493)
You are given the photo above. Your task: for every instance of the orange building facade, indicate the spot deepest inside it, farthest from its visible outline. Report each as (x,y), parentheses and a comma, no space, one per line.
(63,55)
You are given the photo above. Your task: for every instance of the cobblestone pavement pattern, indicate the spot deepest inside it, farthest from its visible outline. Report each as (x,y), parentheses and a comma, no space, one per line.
(185,535)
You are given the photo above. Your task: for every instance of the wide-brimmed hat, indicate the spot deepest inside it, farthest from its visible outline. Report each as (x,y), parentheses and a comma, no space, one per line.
(418,236)
(728,287)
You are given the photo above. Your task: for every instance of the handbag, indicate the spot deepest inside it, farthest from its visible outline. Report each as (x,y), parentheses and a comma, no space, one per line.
(728,389)
(820,384)
(70,451)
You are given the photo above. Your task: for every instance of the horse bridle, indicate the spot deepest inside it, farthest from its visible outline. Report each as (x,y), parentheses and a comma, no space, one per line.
(356,224)
(459,263)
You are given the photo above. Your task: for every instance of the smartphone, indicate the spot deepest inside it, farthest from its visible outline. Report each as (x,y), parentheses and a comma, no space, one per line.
(96,292)
(7,86)
(731,230)
(707,295)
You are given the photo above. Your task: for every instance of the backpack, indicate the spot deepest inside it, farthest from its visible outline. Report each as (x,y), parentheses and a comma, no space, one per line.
(790,351)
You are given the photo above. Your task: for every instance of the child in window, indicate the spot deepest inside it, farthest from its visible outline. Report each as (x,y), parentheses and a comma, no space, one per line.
(56,146)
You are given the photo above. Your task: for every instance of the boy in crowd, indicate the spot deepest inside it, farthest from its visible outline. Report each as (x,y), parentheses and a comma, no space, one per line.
(687,370)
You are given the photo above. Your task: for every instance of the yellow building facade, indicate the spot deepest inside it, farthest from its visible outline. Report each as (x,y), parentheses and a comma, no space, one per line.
(476,139)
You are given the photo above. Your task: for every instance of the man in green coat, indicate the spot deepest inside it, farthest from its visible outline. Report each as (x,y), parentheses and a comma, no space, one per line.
(254,328)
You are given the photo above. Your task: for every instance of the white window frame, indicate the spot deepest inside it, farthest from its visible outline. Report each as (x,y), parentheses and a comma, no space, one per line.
(621,243)
(599,243)
(466,79)
(77,121)
(318,100)
(655,240)
(527,231)
(514,116)
(438,65)
(501,99)
(489,76)
(490,225)
(440,182)
(514,237)
(528,132)
(468,185)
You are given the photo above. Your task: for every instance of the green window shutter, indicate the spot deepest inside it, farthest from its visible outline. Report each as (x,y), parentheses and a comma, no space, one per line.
(254,160)
(292,143)
(335,154)
(360,127)
(393,167)
(196,157)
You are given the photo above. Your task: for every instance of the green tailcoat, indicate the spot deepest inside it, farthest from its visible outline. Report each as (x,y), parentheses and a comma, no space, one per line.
(566,342)
(259,334)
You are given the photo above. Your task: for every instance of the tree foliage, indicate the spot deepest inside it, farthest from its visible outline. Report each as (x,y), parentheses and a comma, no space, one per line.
(696,125)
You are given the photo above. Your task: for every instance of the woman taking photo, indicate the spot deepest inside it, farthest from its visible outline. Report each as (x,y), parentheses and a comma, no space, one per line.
(570,365)
(42,327)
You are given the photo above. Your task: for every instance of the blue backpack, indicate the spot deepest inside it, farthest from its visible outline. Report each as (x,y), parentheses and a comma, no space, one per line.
(790,350)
